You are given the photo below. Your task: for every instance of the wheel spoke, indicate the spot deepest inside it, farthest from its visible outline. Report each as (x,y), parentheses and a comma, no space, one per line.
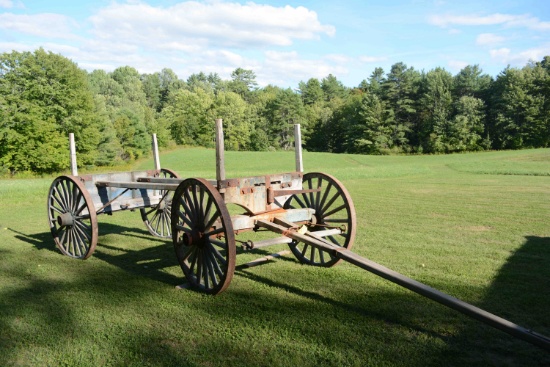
(335,210)
(216,256)
(214,232)
(331,201)
(219,243)
(304,249)
(318,195)
(182,228)
(221,259)
(212,220)
(186,253)
(325,195)
(322,256)
(312,254)
(194,260)
(189,208)
(59,198)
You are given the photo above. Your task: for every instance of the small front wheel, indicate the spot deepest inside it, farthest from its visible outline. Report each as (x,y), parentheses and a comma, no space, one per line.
(72,217)
(334,209)
(157,217)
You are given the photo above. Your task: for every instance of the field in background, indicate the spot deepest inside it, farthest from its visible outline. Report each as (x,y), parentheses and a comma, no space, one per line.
(472,225)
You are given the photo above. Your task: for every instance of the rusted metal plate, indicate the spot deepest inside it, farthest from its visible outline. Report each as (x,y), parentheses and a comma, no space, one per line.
(259,194)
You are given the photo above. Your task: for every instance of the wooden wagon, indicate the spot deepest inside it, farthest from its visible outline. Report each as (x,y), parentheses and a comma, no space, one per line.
(313,213)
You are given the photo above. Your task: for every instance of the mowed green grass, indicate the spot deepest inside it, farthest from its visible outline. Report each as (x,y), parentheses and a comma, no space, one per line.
(475,226)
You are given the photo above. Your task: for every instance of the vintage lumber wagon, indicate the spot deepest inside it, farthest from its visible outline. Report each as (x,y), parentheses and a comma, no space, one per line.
(313,213)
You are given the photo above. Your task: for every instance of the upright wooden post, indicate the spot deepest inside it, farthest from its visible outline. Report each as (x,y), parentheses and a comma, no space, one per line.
(220,158)
(298,148)
(156,152)
(72,150)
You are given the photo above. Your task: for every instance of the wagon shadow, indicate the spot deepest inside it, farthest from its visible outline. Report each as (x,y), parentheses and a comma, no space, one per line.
(42,241)
(520,293)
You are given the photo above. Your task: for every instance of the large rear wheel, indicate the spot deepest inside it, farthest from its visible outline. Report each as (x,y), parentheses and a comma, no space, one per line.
(203,236)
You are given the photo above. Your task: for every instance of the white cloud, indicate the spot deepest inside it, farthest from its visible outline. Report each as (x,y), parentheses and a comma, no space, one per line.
(519,59)
(293,68)
(501,53)
(372,59)
(9,4)
(488,39)
(45,25)
(210,23)
(189,37)
(11,46)
(523,20)
(457,65)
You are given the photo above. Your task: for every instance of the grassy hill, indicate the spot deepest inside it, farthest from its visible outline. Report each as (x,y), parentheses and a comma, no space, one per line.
(472,225)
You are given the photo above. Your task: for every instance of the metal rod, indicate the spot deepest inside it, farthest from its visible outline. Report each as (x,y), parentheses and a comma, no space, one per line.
(415,286)
(220,158)
(298,148)
(156,157)
(72,150)
(265,259)
(269,242)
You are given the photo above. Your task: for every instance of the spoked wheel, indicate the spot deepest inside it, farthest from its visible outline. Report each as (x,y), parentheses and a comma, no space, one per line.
(157,217)
(72,217)
(333,210)
(203,236)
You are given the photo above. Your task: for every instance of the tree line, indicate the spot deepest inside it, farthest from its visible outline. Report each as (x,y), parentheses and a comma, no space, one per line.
(44,96)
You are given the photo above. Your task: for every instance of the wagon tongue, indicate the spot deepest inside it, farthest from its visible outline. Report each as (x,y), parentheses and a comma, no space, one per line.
(312,239)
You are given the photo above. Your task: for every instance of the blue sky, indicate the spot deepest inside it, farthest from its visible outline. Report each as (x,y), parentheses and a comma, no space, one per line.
(283,42)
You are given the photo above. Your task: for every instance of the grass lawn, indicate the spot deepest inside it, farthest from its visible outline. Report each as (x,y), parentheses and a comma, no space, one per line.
(475,226)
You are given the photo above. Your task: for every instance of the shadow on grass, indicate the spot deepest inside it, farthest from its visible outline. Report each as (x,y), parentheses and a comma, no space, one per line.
(42,241)
(520,293)
(358,325)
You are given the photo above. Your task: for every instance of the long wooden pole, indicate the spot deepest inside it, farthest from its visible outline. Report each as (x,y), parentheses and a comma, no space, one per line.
(72,150)
(156,152)
(220,158)
(298,148)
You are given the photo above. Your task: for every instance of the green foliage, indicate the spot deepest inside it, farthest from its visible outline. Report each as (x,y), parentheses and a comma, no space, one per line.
(521,108)
(44,96)
(284,111)
(374,129)
(237,129)
(242,82)
(187,115)
(312,92)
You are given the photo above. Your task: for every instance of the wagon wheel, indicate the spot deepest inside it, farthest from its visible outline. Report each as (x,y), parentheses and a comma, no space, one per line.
(203,236)
(72,217)
(333,209)
(157,217)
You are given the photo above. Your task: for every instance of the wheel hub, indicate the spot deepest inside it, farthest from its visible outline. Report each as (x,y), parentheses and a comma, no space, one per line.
(195,238)
(65,219)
